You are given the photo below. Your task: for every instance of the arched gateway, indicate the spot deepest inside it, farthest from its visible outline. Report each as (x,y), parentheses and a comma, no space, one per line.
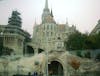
(55,69)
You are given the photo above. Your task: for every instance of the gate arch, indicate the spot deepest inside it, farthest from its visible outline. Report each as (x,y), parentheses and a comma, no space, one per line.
(55,69)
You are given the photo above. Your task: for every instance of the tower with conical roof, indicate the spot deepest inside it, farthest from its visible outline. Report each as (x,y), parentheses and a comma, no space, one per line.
(51,13)
(47,16)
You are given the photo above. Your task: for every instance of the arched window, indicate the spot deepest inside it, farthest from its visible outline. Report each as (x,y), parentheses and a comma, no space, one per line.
(40,50)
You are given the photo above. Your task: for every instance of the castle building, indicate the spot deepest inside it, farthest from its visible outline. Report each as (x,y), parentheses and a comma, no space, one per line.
(49,34)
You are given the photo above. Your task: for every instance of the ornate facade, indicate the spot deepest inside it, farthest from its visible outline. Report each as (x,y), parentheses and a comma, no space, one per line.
(49,35)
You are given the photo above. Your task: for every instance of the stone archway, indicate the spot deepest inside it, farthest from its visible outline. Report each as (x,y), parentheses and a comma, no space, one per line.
(55,69)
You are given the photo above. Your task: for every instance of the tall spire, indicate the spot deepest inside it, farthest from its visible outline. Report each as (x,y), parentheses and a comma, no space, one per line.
(46,12)
(66,21)
(47,16)
(46,4)
(35,23)
(51,13)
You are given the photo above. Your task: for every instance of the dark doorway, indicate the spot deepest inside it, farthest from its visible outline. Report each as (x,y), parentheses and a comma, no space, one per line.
(30,50)
(55,69)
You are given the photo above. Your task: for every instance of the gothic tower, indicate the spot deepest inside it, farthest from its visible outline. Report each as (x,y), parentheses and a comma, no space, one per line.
(47,17)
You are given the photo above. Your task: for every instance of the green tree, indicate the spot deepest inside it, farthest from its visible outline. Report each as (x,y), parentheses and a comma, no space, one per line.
(89,42)
(79,41)
(15,19)
(95,39)
(97,43)
(76,41)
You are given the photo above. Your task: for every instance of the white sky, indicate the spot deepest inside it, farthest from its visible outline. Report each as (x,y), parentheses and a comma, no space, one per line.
(83,13)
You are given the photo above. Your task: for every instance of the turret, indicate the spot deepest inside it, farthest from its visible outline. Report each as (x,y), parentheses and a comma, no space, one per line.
(47,17)
(51,13)
(67,21)
(15,19)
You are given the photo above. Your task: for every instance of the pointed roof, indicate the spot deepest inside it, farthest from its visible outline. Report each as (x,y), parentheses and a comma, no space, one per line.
(46,4)
(51,13)
(66,21)
(35,22)
(47,16)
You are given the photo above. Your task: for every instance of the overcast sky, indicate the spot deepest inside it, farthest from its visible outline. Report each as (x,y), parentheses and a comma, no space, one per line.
(83,13)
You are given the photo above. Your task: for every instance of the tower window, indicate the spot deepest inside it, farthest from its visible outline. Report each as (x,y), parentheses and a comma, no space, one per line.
(47,27)
(59,38)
